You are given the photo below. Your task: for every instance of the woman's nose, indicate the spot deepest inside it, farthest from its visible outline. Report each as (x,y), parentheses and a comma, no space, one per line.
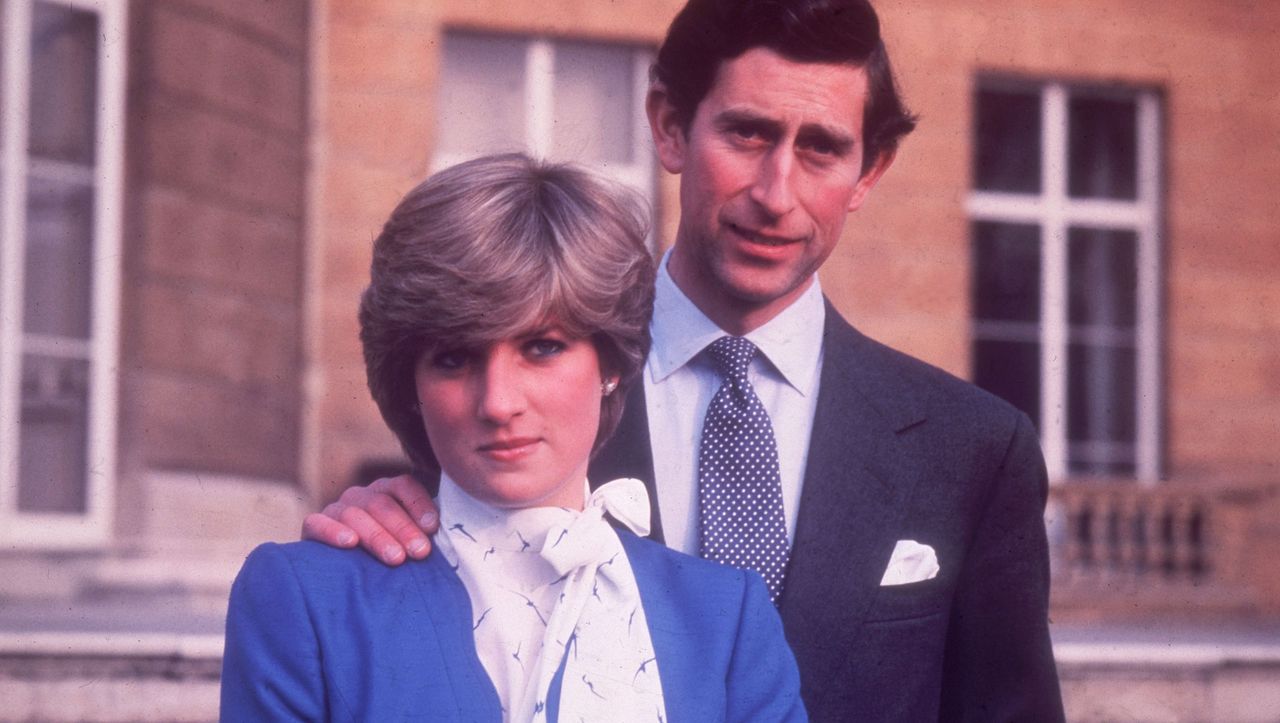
(500,393)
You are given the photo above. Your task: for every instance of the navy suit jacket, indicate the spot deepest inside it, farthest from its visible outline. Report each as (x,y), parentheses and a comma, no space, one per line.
(901,450)
(316,633)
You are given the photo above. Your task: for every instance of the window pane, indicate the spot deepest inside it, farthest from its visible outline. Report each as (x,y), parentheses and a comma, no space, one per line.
(1101,396)
(481,98)
(1006,278)
(1010,370)
(52,458)
(1007,152)
(593,103)
(64,50)
(59,261)
(1102,155)
(1104,277)
(1101,459)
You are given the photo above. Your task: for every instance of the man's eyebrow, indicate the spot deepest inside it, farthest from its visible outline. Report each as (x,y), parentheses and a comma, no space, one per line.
(841,141)
(741,117)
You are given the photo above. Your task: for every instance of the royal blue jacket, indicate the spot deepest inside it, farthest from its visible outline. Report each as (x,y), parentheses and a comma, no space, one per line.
(321,634)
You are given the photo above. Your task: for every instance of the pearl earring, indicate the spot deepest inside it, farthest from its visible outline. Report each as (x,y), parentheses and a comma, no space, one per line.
(606,388)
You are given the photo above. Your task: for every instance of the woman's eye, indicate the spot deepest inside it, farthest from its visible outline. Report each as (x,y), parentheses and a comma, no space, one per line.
(449,360)
(544,348)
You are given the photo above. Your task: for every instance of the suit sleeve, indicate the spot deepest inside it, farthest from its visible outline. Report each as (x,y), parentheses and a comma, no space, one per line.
(271,662)
(764,682)
(999,662)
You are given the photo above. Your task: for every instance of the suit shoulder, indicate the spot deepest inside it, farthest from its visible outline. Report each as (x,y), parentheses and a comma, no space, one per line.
(911,382)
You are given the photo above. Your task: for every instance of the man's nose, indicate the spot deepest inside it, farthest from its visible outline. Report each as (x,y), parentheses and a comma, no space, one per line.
(500,395)
(772,189)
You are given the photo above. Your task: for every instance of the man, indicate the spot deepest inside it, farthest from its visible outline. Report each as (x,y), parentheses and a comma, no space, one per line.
(916,566)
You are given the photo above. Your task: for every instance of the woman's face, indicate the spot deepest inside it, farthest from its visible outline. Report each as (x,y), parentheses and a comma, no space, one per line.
(513,423)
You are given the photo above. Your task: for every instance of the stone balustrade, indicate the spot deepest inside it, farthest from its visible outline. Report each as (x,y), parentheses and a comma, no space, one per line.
(1175,547)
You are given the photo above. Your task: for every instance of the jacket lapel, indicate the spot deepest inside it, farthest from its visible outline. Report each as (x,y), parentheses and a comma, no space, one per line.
(857,479)
(449,614)
(628,454)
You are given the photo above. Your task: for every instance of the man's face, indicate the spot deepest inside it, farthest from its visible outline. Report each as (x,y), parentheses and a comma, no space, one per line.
(770,167)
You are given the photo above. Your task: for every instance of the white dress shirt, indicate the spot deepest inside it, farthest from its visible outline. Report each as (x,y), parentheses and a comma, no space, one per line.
(679,383)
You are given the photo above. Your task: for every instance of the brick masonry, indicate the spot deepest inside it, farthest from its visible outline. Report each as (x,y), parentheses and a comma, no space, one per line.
(902,271)
(214,241)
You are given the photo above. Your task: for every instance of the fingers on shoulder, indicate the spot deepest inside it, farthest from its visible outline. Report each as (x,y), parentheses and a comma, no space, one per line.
(325,527)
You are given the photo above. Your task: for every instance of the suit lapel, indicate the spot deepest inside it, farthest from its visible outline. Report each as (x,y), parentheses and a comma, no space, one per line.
(856,481)
(628,454)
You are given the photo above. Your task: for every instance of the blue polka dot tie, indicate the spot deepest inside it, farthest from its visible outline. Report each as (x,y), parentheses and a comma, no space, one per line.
(741,522)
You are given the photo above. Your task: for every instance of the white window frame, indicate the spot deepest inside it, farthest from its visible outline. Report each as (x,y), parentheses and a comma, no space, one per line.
(1054,211)
(539,92)
(47,530)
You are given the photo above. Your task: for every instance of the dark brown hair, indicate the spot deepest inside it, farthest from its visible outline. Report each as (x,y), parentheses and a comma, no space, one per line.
(706,33)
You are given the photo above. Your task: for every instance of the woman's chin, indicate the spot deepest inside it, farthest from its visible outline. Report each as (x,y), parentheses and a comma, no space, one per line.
(517,494)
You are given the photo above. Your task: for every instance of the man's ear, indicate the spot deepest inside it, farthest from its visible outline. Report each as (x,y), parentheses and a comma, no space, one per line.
(668,130)
(869,179)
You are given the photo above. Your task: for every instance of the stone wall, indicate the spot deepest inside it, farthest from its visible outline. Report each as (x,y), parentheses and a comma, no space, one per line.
(214,242)
(374,81)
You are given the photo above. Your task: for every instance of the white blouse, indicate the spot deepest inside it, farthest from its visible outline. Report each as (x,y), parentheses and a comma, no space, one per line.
(549,584)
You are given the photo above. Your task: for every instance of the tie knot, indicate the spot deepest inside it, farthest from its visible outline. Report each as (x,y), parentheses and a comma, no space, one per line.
(732,354)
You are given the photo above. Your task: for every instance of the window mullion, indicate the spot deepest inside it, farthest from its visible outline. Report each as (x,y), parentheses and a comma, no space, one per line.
(107,230)
(1054,282)
(539,94)
(642,152)
(1148,316)
(13,219)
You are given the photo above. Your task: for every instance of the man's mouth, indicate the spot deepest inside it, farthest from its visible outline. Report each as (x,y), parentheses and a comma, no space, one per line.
(758,237)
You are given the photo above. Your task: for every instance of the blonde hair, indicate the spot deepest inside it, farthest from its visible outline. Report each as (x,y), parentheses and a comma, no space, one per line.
(494,247)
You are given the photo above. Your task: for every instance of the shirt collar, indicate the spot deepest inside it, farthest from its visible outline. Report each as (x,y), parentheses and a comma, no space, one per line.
(791,341)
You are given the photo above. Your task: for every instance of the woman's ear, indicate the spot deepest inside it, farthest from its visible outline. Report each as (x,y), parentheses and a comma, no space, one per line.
(667,127)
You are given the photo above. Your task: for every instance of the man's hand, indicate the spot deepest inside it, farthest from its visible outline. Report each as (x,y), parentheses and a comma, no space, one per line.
(390,518)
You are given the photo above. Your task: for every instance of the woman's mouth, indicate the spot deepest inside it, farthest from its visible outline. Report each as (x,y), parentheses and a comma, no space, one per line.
(509,449)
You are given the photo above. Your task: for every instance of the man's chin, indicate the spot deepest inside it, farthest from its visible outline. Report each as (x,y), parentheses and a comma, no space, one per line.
(766,294)
(761,287)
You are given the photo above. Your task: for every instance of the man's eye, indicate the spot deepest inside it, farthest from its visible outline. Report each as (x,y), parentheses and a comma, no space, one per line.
(748,134)
(822,148)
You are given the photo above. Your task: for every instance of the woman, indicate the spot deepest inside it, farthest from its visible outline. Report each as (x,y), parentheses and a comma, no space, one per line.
(506,316)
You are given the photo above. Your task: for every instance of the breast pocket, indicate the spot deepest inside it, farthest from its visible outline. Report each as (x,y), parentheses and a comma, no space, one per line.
(912,600)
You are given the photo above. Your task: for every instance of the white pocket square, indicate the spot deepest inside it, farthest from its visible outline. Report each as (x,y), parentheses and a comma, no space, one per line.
(910,562)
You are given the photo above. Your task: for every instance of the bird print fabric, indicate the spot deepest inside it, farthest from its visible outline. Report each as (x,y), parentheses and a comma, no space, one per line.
(548,584)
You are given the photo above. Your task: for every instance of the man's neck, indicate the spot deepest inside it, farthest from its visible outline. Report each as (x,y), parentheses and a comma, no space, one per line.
(732,314)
